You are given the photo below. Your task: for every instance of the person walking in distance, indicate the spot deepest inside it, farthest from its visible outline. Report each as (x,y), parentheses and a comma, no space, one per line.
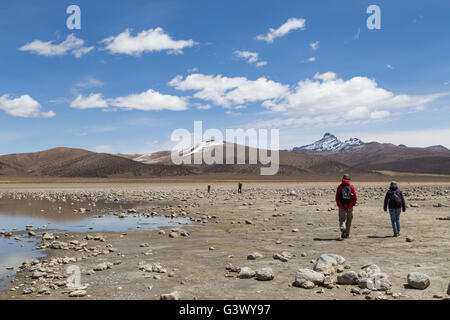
(239,187)
(346,199)
(396,202)
(209,188)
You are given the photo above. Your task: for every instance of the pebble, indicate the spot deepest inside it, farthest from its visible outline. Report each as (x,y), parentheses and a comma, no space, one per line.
(171,296)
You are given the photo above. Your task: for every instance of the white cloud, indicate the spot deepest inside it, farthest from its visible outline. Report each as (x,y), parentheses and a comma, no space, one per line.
(79,52)
(379,114)
(89,83)
(71,44)
(94,100)
(261,63)
(312,59)
(151,40)
(146,101)
(150,101)
(226,92)
(327,76)
(290,25)
(192,70)
(314,45)
(202,107)
(324,99)
(251,57)
(357,97)
(24,106)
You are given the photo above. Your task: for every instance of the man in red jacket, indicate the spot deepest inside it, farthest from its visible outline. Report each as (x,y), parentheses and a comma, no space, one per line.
(345,199)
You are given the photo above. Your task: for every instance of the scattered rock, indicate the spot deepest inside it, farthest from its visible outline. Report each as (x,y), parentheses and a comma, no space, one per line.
(48,236)
(265,274)
(171,296)
(305,275)
(409,239)
(77,293)
(103,266)
(327,263)
(29,290)
(329,282)
(377,282)
(254,256)
(418,280)
(355,291)
(246,273)
(348,278)
(284,256)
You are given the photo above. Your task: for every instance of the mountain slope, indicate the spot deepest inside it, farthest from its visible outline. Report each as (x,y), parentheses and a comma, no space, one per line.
(378,156)
(67,162)
(290,163)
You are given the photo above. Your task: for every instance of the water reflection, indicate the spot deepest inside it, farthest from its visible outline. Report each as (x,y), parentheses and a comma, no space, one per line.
(43,215)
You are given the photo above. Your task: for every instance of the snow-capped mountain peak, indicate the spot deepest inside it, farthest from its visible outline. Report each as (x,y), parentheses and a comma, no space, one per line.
(157,157)
(330,142)
(201,146)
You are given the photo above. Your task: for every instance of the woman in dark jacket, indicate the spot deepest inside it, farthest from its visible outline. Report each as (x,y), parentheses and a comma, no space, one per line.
(395,201)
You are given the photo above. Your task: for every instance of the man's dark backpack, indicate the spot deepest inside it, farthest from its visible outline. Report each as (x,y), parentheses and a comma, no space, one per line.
(346,195)
(395,201)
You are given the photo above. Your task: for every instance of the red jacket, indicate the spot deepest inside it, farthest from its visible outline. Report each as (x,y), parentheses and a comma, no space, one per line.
(338,193)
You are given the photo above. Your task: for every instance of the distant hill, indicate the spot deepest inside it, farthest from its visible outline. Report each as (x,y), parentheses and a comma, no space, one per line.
(67,162)
(290,163)
(438,148)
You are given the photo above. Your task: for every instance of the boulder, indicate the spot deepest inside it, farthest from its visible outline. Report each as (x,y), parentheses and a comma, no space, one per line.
(369,270)
(329,282)
(305,284)
(377,282)
(303,275)
(246,273)
(265,274)
(327,263)
(418,280)
(349,277)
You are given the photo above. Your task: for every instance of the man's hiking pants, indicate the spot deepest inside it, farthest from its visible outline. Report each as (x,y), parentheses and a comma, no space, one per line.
(345,220)
(395,219)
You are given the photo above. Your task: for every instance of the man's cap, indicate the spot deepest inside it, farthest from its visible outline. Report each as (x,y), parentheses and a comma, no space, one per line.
(346,176)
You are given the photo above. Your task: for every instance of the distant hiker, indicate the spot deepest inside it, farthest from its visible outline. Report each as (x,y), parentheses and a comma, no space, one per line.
(209,188)
(345,199)
(239,187)
(396,202)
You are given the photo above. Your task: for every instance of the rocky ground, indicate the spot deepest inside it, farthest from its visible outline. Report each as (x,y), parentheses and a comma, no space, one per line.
(275,241)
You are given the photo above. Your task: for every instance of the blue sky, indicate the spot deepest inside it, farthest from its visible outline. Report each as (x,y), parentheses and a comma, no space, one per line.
(320,69)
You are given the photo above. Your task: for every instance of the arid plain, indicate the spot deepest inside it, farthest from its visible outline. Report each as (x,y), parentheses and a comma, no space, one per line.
(284,226)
